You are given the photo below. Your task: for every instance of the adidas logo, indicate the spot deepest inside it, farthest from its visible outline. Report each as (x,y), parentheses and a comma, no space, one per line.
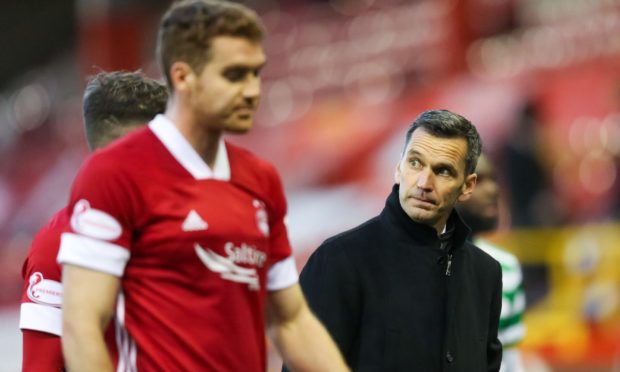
(193,222)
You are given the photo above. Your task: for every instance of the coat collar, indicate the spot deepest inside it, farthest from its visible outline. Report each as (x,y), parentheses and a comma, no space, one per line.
(394,216)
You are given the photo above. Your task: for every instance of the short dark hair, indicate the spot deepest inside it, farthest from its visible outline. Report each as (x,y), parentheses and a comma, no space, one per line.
(187,28)
(446,124)
(119,99)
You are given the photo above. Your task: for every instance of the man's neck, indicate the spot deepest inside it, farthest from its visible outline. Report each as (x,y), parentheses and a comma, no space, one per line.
(441,226)
(204,141)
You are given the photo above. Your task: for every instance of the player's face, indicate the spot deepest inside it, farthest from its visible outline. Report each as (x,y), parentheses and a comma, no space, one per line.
(225,95)
(431,175)
(482,207)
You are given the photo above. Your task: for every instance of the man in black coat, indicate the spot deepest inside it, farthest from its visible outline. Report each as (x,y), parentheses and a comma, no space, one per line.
(406,290)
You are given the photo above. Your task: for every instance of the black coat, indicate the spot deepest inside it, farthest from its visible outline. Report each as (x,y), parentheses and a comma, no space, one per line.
(383,292)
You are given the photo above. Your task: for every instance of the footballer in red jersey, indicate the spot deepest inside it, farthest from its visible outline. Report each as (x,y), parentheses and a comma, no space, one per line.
(180,234)
(40,318)
(110,111)
(194,247)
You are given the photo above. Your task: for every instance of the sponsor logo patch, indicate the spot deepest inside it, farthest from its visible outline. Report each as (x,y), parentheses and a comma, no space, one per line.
(94,223)
(245,254)
(193,222)
(44,291)
(227,268)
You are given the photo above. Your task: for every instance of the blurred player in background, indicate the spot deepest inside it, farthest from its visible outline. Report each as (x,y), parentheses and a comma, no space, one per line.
(481,213)
(184,233)
(115,103)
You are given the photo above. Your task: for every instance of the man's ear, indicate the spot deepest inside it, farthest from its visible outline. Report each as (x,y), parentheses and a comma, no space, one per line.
(397,173)
(182,76)
(468,187)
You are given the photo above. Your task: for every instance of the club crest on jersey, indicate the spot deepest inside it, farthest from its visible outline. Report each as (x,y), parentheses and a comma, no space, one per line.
(262,219)
(94,223)
(44,291)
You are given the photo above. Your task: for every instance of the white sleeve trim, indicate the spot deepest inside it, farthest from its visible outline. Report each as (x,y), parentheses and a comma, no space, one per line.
(282,274)
(40,318)
(92,254)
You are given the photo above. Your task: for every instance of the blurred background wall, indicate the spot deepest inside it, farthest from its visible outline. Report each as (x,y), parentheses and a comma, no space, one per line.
(539,78)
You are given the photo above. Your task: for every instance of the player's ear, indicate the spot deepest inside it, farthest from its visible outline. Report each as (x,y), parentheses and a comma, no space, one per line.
(468,187)
(397,173)
(182,76)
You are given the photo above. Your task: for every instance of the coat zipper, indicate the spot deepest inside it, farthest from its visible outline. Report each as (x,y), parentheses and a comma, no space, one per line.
(449,265)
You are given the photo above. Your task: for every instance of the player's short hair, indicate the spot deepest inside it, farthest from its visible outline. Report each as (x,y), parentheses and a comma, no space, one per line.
(116,100)
(187,28)
(446,124)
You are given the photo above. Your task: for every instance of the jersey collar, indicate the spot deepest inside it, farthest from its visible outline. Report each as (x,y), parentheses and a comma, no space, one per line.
(184,153)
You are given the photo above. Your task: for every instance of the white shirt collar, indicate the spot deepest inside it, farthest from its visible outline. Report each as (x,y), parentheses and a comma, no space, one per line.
(186,155)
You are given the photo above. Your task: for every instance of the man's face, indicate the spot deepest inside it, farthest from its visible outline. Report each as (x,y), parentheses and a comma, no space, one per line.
(431,175)
(481,211)
(225,95)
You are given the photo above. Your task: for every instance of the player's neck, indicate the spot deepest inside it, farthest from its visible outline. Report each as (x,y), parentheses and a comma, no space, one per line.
(203,140)
(205,143)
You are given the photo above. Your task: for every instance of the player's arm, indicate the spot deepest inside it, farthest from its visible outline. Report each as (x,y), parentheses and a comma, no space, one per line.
(88,306)
(301,339)
(40,318)
(94,250)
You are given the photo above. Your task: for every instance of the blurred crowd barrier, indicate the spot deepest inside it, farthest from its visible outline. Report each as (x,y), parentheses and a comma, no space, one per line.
(572,285)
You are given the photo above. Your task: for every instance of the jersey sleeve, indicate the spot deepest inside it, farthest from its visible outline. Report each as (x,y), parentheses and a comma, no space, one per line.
(282,274)
(102,208)
(41,352)
(511,327)
(42,290)
(283,270)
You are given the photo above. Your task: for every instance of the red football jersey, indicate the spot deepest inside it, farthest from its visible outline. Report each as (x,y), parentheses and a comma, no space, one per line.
(42,296)
(196,248)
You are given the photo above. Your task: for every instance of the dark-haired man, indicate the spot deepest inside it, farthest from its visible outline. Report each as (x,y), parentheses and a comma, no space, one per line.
(181,234)
(406,290)
(114,104)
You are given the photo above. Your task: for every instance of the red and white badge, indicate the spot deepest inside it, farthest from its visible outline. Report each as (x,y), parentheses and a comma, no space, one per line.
(44,291)
(94,223)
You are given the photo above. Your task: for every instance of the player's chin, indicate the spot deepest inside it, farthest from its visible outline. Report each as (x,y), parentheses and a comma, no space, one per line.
(240,126)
